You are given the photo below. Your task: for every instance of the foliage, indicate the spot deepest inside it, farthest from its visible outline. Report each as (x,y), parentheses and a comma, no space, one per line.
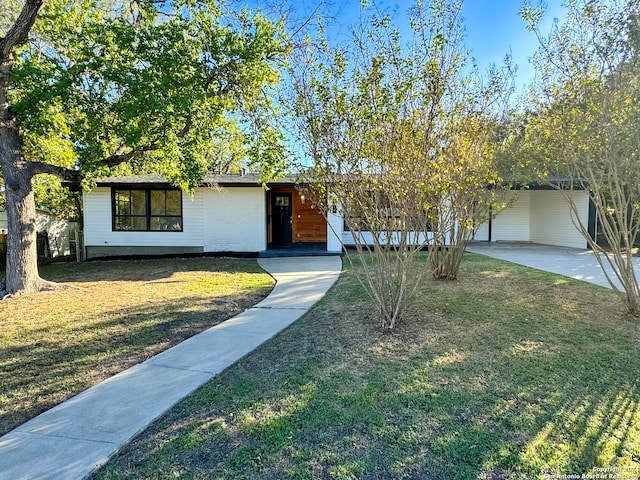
(90,86)
(470,179)
(103,81)
(52,196)
(403,139)
(584,129)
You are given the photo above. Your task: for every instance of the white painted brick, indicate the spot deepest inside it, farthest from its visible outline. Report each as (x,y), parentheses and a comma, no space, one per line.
(235,219)
(513,223)
(219,220)
(551,222)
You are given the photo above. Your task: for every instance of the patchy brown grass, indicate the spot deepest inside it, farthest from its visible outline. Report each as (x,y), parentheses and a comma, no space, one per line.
(507,373)
(54,344)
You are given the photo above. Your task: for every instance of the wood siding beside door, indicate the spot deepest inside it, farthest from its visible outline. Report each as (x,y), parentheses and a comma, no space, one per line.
(308,225)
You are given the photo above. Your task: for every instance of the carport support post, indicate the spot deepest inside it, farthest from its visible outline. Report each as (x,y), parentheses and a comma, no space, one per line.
(490,220)
(592,222)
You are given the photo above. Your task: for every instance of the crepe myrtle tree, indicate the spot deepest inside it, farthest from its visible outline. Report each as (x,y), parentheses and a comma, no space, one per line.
(583,129)
(93,87)
(402,136)
(470,183)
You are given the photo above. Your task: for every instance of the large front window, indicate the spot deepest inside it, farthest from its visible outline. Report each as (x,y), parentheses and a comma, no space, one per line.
(147,209)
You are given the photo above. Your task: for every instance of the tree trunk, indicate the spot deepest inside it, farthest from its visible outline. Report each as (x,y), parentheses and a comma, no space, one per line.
(22,256)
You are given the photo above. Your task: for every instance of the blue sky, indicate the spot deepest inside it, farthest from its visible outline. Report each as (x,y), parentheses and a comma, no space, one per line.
(494,28)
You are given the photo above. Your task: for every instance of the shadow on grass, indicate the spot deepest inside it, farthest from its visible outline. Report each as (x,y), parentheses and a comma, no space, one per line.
(497,379)
(143,270)
(39,374)
(57,344)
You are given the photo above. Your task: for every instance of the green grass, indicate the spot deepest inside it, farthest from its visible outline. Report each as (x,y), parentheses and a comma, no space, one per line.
(507,373)
(56,344)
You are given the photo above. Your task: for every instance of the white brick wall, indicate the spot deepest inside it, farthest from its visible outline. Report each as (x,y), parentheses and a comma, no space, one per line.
(98,221)
(334,232)
(216,219)
(235,219)
(551,218)
(539,216)
(513,223)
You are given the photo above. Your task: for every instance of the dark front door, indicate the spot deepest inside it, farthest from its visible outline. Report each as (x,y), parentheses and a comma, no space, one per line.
(281,217)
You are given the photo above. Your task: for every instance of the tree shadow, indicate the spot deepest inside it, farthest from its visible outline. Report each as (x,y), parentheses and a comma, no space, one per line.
(459,391)
(144,270)
(42,370)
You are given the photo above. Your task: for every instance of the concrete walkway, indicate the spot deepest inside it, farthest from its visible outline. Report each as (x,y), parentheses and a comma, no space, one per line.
(73,439)
(570,262)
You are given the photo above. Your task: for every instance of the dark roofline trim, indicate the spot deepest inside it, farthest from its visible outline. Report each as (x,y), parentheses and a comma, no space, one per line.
(168,186)
(209,181)
(140,186)
(252,181)
(547,186)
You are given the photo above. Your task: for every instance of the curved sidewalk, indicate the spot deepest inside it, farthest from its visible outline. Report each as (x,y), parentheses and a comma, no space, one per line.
(74,438)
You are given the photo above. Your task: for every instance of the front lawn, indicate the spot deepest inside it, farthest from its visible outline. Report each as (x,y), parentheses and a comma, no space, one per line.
(507,373)
(55,344)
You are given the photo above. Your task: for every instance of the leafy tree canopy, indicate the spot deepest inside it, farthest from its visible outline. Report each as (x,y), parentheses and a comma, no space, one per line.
(583,129)
(146,84)
(100,87)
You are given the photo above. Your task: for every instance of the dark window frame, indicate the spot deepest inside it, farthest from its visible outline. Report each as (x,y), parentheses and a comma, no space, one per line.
(390,216)
(148,215)
(346,228)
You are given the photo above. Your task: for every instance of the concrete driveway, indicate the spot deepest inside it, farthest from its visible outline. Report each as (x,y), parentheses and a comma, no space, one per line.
(570,262)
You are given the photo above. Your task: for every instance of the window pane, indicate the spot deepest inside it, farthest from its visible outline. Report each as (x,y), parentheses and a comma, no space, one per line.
(282,201)
(138,202)
(157,202)
(123,203)
(126,222)
(173,202)
(123,223)
(166,223)
(138,223)
(132,212)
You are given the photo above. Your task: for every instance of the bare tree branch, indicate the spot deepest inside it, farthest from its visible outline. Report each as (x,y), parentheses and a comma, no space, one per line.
(62,173)
(120,157)
(19,31)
